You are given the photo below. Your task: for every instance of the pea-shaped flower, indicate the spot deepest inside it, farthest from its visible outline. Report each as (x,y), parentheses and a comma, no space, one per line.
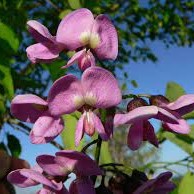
(97,89)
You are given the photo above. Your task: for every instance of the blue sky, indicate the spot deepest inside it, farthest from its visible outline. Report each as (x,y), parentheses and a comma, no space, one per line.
(174,64)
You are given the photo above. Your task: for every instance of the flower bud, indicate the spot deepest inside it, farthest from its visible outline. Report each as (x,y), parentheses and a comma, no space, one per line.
(158,100)
(135,103)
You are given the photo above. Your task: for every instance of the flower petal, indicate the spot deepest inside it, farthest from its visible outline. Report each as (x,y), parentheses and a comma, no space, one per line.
(99,127)
(135,135)
(75,58)
(183,104)
(39,32)
(49,165)
(82,185)
(65,96)
(79,130)
(77,162)
(45,129)
(17,178)
(138,114)
(28,107)
(42,52)
(72,28)
(166,116)
(98,84)
(108,46)
(149,134)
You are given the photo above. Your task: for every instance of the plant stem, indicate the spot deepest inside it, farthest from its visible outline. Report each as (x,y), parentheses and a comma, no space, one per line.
(98,148)
(88,145)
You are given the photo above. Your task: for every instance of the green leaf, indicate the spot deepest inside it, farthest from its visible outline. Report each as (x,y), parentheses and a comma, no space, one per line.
(64,13)
(68,135)
(134,83)
(8,36)
(7,81)
(184,142)
(14,145)
(74,4)
(173,91)
(105,155)
(186,185)
(189,115)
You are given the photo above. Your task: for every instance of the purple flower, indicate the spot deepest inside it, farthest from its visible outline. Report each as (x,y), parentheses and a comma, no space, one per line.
(33,109)
(159,185)
(140,127)
(80,30)
(97,89)
(178,108)
(31,177)
(68,161)
(47,49)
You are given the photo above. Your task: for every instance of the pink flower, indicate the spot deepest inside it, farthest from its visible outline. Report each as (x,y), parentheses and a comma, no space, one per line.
(80,30)
(68,161)
(31,177)
(47,49)
(33,109)
(97,89)
(140,128)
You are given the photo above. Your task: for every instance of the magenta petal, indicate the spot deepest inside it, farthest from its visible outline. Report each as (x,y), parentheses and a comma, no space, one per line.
(101,88)
(17,178)
(82,186)
(77,162)
(65,95)
(99,127)
(45,129)
(138,114)
(79,130)
(73,26)
(39,32)
(28,107)
(149,134)
(75,58)
(48,164)
(166,116)
(135,135)
(40,52)
(108,46)
(183,104)
(182,127)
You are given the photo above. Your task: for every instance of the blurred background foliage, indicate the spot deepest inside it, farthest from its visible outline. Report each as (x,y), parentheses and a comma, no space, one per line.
(139,22)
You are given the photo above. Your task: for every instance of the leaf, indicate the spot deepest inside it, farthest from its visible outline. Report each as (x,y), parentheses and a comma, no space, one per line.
(105,155)
(184,142)
(189,115)
(173,91)
(64,13)
(7,81)
(134,83)
(8,36)
(74,4)
(186,185)
(14,145)
(68,135)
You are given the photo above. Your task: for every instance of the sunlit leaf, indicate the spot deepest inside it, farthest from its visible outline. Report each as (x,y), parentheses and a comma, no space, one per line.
(74,4)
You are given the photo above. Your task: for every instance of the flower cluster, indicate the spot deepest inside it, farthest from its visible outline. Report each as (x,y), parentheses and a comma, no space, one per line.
(97,90)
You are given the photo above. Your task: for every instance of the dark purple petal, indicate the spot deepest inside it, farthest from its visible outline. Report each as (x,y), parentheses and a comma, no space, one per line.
(136,115)
(43,52)
(49,165)
(28,107)
(108,44)
(135,135)
(39,32)
(149,134)
(101,89)
(74,30)
(77,162)
(82,185)
(65,95)
(183,104)
(79,130)
(46,128)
